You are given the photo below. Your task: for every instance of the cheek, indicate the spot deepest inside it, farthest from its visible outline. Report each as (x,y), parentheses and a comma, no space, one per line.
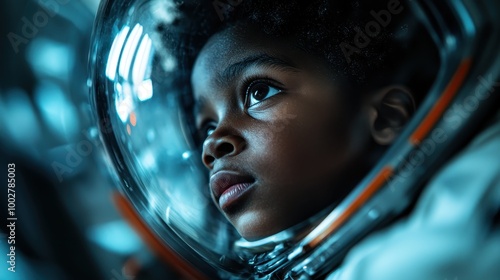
(299,142)
(306,131)
(276,150)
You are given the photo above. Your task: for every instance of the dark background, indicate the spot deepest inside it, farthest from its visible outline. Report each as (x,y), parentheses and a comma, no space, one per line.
(67,226)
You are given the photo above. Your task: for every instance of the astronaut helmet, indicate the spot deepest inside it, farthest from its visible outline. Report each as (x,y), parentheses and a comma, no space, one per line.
(152,61)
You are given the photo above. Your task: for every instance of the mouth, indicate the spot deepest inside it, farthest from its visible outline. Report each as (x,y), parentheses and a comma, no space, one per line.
(229,186)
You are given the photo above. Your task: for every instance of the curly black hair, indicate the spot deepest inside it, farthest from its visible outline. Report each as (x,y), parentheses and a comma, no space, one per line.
(395,51)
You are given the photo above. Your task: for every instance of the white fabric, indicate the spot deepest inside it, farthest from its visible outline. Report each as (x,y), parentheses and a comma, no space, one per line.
(450,234)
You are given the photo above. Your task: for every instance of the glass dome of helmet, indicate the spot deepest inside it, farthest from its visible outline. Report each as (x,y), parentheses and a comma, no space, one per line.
(141,65)
(140,101)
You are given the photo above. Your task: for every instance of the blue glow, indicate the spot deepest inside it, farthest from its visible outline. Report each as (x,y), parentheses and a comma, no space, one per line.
(465,17)
(186,155)
(148,160)
(451,41)
(19,117)
(57,111)
(50,58)
(116,236)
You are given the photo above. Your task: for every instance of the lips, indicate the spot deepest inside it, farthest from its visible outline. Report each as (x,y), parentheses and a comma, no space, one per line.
(229,186)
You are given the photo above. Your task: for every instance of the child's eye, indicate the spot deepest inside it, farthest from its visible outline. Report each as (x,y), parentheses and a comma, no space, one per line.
(258,91)
(206,130)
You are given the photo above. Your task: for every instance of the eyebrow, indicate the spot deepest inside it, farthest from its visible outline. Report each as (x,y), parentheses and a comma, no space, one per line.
(236,69)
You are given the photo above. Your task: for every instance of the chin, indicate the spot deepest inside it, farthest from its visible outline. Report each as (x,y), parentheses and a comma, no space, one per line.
(256,225)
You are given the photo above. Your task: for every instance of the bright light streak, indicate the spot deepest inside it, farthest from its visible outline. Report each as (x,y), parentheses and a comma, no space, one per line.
(114,53)
(141,60)
(129,50)
(145,90)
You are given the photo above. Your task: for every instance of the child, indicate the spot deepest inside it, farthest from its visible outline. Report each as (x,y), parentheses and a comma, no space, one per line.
(289,116)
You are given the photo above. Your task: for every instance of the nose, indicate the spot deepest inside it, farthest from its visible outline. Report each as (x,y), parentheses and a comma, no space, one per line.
(219,145)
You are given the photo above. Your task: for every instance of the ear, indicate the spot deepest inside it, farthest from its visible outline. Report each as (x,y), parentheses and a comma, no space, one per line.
(390,109)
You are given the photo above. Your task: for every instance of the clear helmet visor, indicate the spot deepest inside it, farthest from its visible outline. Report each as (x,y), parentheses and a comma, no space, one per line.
(141,62)
(141,93)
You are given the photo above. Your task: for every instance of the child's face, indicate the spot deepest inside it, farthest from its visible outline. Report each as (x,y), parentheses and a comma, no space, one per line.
(280,145)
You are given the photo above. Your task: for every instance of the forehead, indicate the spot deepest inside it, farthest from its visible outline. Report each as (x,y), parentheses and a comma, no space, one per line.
(233,46)
(224,45)
(233,43)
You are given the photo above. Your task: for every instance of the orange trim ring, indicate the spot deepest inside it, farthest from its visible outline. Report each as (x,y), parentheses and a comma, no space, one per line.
(443,102)
(421,131)
(366,194)
(163,251)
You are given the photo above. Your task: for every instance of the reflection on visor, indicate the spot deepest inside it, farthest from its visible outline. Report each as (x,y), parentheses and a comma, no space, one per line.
(147,120)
